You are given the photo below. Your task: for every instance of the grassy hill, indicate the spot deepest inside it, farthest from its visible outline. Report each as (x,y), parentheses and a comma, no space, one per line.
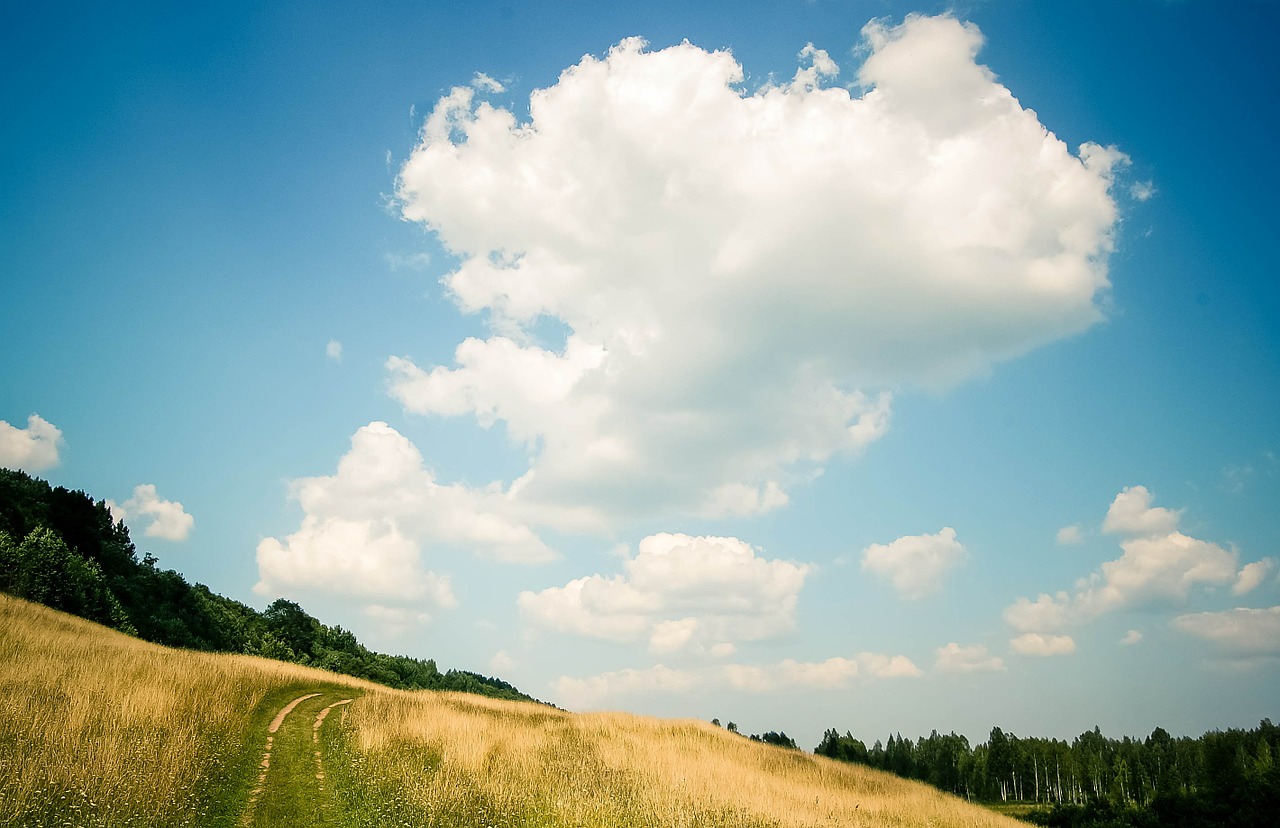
(63,549)
(98,728)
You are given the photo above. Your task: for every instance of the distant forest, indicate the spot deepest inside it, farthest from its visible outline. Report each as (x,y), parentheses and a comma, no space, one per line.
(63,549)
(1223,778)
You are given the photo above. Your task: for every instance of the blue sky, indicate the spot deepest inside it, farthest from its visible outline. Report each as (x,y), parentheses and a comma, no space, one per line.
(774,377)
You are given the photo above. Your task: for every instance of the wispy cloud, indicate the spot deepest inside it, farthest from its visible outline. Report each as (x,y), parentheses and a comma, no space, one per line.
(832,674)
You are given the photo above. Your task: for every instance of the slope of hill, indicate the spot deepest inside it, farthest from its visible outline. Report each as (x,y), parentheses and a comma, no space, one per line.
(63,549)
(100,729)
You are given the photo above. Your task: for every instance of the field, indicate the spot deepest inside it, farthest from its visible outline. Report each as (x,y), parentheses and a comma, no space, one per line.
(100,729)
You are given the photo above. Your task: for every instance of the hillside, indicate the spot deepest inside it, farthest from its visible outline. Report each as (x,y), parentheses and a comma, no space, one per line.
(63,549)
(98,728)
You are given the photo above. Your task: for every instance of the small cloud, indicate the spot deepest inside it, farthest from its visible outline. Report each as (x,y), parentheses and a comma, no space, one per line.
(971,659)
(1131,637)
(1142,190)
(1160,565)
(484,83)
(1070,535)
(31,449)
(737,499)
(333,350)
(502,662)
(396,621)
(884,666)
(1235,477)
(684,594)
(834,673)
(1036,644)
(1251,575)
(916,565)
(1131,513)
(1237,632)
(820,66)
(407,261)
(365,529)
(167,519)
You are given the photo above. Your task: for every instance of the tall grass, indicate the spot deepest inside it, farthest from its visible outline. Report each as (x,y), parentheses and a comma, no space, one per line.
(98,728)
(447,760)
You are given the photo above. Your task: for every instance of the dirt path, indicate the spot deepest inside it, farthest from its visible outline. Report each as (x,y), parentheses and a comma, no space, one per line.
(315,739)
(292,794)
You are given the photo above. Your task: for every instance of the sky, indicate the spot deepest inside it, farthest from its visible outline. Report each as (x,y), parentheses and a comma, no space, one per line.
(863,365)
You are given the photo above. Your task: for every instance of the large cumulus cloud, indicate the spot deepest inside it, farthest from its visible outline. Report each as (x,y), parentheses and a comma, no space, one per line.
(743,275)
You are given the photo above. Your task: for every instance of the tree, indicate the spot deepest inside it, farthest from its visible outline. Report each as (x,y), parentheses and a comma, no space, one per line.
(845,748)
(781,739)
(288,622)
(42,569)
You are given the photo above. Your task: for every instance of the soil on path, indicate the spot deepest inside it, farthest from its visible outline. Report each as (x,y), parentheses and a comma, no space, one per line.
(290,789)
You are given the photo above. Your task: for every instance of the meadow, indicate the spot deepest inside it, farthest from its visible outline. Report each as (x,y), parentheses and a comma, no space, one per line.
(100,729)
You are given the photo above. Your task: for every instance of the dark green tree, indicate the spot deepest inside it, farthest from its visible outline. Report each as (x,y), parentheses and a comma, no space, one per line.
(42,569)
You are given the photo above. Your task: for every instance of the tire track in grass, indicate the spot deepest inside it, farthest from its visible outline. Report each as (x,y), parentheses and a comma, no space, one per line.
(261,784)
(315,739)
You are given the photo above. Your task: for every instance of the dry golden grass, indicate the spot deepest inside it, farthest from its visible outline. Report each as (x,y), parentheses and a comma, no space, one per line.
(454,760)
(98,728)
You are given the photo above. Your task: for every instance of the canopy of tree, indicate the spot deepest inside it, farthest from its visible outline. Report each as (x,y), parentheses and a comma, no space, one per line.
(63,549)
(1223,778)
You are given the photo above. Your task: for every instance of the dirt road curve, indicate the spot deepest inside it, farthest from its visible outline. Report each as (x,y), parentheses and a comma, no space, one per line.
(292,792)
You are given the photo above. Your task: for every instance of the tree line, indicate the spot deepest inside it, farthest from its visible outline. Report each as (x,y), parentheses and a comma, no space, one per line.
(63,549)
(1228,778)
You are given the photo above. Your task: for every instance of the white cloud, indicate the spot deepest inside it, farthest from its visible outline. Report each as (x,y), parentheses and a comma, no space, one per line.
(741,274)
(672,636)
(1131,513)
(1235,477)
(1036,644)
(1142,190)
(680,593)
(31,449)
(364,528)
(1159,565)
(916,565)
(1047,612)
(1250,632)
(832,674)
(1251,575)
(396,621)
(580,693)
(502,662)
(333,350)
(971,659)
(484,83)
(1131,637)
(883,666)
(1152,570)
(165,519)
(1070,535)
(407,261)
